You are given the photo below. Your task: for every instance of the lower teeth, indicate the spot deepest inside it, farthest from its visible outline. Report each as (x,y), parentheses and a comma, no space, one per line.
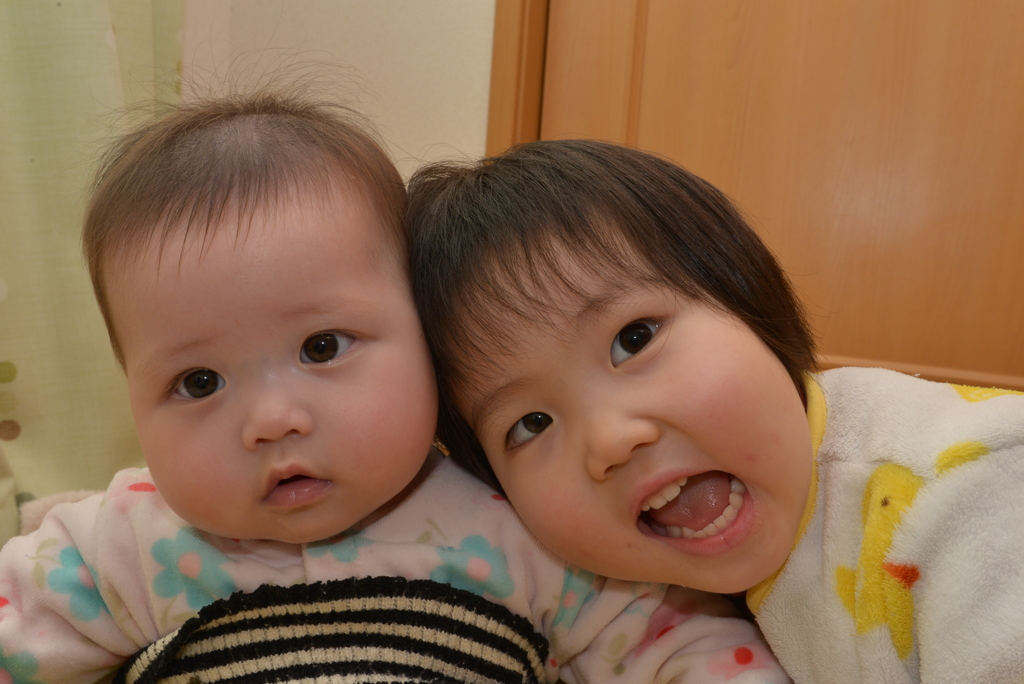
(736,488)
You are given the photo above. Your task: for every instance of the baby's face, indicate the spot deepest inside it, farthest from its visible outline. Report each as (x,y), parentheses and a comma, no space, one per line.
(650,438)
(279,378)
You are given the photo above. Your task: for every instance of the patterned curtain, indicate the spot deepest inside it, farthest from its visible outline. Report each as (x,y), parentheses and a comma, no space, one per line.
(68,69)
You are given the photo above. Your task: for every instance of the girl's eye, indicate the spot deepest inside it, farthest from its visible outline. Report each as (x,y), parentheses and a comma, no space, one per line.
(199,383)
(324,347)
(631,340)
(527,427)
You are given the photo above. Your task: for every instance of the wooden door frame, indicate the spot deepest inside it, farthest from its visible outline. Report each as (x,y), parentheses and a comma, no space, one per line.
(517,73)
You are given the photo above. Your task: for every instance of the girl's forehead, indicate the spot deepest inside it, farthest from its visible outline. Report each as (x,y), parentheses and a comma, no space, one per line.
(553,287)
(496,327)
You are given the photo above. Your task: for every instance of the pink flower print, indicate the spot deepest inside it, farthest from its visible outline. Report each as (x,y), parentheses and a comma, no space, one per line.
(673,611)
(17,668)
(577,588)
(77,579)
(729,663)
(476,567)
(191,567)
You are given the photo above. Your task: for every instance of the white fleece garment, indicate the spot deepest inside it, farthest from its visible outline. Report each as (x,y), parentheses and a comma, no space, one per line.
(910,567)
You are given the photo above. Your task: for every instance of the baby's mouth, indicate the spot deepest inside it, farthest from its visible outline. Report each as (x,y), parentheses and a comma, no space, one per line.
(696,507)
(296,490)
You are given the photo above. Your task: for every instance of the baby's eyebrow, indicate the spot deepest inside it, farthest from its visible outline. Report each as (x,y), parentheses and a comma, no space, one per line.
(156,364)
(309,310)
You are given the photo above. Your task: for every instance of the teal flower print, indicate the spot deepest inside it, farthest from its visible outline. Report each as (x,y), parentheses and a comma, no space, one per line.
(76,578)
(475,566)
(192,567)
(577,589)
(18,668)
(345,547)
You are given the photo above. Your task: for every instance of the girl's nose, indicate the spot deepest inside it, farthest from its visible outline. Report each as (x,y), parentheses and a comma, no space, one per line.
(615,438)
(273,416)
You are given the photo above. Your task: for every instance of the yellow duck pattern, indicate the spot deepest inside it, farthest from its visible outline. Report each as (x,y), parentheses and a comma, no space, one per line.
(890,578)
(878,592)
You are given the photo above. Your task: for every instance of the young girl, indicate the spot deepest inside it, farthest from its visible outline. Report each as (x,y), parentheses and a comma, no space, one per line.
(624,358)
(248,255)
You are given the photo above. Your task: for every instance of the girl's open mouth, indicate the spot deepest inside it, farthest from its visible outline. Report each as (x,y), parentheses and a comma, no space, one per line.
(696,507)
(297,490)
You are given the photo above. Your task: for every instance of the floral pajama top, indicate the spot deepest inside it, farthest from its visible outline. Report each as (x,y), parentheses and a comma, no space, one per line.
(107,576)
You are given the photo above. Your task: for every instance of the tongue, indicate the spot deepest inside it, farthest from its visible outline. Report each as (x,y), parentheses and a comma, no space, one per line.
(702,500)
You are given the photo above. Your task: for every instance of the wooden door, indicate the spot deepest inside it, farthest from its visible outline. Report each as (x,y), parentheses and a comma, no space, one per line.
(878,148)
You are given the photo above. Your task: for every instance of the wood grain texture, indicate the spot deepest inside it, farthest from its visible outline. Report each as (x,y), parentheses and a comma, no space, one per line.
(517,73)
(878,148)
(589,68)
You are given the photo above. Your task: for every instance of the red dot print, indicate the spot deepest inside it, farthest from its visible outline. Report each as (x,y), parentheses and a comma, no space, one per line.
(9,429)
(3,602)
(664,631)
(498,497)
(743,655)
(142,487)
(554,663)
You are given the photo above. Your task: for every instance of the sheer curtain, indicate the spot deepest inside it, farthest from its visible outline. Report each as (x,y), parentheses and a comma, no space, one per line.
(67,67)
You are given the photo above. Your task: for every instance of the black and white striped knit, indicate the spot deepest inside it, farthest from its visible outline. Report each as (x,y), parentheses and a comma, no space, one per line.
(375,630)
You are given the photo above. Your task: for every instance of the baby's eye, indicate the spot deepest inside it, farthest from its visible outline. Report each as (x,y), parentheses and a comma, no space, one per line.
(323,347)
(527,427)
(199,383)
(631,339)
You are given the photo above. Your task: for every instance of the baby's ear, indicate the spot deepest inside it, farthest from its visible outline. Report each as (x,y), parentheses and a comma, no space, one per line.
(32,512)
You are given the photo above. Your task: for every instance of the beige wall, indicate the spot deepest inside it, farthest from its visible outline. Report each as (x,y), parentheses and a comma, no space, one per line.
(419,68)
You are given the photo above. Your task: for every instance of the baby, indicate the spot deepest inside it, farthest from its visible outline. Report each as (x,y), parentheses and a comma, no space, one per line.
(620,354)
(249,257)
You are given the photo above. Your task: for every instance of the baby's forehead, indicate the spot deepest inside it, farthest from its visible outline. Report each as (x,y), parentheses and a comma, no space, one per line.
(193,228)
(243,244)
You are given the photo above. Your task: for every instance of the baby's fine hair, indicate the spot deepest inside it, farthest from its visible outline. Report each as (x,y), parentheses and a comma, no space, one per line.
(209,159)
(490,242)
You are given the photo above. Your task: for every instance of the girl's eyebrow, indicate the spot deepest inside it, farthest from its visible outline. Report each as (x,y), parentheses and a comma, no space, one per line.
(595,305)
(482,414)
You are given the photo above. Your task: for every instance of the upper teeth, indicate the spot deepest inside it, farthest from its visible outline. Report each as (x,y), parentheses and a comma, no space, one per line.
(671,491)
(668,492)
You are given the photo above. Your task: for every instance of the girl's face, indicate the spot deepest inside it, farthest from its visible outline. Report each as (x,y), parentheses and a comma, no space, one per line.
(280,382)
(648,437)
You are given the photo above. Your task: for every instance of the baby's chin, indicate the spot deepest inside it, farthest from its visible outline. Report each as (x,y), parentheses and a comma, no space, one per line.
(315,531)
